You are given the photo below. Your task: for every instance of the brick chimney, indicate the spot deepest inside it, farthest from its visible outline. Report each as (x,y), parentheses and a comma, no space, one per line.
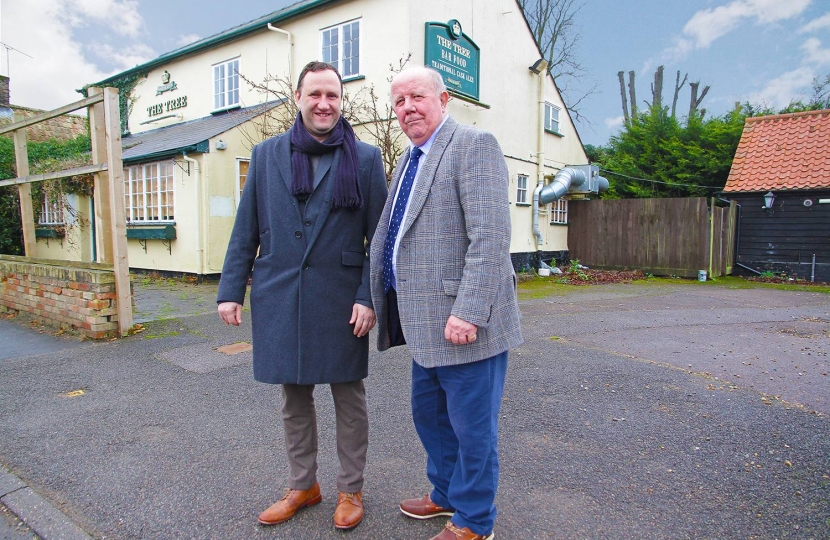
(4,91)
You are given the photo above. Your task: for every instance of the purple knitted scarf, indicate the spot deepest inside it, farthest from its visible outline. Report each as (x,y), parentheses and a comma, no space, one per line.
(303,146)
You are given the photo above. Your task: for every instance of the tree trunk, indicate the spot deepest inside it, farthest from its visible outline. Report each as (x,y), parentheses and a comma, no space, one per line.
(621,77)
(694,102)
(657,89)
(632,94)
(678,84)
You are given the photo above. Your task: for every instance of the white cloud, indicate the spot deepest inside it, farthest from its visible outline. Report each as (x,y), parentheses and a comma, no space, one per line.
(708,25)
(815,54)
(779,92)
(816,24)
(121,16)
(122,58)
(614,122)
(49,32)
(187,39)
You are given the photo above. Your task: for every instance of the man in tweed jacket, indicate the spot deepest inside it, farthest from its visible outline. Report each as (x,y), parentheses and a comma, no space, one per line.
(450,295)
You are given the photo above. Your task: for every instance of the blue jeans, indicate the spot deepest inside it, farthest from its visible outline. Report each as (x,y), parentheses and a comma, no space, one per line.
(456,415)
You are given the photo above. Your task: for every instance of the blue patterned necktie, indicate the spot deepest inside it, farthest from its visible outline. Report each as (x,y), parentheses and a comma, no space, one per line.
(397,217)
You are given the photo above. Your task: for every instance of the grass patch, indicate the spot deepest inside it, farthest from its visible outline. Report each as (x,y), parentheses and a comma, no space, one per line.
(532,287)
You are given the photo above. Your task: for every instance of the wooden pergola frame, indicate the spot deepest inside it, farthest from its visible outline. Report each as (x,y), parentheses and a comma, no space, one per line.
(108,172)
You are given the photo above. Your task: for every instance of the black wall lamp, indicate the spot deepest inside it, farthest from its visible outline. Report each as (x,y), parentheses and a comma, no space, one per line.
(769,200)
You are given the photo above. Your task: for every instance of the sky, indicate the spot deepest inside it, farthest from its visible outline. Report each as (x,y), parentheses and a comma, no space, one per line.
(762,51)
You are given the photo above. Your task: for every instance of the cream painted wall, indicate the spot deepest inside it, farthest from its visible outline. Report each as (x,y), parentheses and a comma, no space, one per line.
(506,86)
(265,52)
(77,244)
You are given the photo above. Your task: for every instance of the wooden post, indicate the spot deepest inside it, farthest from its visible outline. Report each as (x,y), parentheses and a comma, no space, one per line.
(711,234)
(27,215)
(117,225)
(101,195)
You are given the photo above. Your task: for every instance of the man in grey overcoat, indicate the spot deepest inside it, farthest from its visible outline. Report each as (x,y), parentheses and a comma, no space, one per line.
(443,283)
(310,205)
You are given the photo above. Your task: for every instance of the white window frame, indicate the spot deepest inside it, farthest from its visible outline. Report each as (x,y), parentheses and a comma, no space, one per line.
(340,62)
(150,192)
(552,116)
(51,212)
(559,212)
(226,88)
(239,175)
(521,189)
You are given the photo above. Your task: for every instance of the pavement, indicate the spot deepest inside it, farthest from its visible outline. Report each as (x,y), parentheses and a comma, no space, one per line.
(631,411)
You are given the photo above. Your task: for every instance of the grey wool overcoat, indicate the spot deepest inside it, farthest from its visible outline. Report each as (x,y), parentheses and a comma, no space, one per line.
(308,268)
(454,251)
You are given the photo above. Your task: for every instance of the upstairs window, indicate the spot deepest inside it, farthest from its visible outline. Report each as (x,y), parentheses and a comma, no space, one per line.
(341,48)
(148,192)
(521,189)
(552,117)
(226,84)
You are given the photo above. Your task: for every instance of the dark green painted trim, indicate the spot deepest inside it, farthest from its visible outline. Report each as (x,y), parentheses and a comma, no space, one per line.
(202,147)
(49,232)
(167,232)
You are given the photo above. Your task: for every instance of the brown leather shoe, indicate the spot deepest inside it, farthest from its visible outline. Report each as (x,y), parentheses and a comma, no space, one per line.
(424,508)
(285,508)
(451,532)
(349,511)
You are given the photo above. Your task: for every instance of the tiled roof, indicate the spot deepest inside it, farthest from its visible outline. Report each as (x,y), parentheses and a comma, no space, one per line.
(785,151)
(190,136)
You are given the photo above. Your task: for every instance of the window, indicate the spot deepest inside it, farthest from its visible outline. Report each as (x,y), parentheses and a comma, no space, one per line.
(226,84)
(551,117)
(559,212)
(341,48)
(241,176)
(148,192)
(51,211)
(521,189)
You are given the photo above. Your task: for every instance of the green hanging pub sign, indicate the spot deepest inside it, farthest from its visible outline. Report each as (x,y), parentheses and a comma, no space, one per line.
(448,50)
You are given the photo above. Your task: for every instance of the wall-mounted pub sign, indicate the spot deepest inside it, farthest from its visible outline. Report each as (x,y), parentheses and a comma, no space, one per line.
(448,50)
(167,85)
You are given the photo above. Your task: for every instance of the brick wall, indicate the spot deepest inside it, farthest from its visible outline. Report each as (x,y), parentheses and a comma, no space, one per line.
(63,128)
(62,294)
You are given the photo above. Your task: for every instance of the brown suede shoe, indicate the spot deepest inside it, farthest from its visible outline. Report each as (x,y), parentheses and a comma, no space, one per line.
(424,508)
(451,532)
(285,508)
(349,511)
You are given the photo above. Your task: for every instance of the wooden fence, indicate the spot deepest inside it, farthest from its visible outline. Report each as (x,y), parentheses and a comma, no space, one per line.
(664,237)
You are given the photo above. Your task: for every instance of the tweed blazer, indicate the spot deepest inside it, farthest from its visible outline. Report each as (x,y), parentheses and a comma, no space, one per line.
(454,251)
(308,265)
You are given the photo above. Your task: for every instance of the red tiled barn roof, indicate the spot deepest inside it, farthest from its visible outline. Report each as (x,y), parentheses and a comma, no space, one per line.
(785,151)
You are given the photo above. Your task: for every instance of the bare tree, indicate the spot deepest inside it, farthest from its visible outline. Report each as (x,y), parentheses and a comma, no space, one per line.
(657,95)
(552,23)
(381,123)
(632,94)
(695,101)
(621,77)
(657,88)
(363,109)
(678,84)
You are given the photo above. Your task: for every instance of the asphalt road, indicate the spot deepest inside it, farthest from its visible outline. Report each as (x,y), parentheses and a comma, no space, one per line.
(631,411)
